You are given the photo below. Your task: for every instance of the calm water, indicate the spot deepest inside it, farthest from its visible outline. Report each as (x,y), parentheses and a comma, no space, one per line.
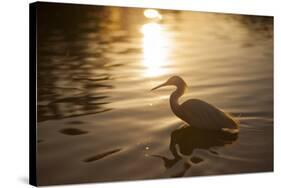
(98,120)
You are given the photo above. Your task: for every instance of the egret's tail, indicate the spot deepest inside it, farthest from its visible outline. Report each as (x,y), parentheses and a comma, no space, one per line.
(234,121)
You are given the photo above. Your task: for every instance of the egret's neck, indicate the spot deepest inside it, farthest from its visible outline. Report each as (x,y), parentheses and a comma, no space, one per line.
(174,99)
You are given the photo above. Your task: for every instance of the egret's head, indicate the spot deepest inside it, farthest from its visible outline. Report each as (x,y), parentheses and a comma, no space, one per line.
(173,81)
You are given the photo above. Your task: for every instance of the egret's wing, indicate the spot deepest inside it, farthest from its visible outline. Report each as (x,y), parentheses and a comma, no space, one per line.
(203,115)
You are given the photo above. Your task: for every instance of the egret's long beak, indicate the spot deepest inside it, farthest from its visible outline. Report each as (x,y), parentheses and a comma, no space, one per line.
(161,85)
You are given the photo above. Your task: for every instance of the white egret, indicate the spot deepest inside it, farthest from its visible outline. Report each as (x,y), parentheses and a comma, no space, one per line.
(198,113)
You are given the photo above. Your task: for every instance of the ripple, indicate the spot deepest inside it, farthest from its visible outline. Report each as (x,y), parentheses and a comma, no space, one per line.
(73,131)
(196,160)
(101,155)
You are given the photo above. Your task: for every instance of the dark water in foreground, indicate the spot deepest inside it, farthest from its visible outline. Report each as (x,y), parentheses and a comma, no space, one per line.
(98,120)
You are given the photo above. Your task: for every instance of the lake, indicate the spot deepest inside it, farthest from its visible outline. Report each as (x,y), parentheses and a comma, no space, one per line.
(99,121)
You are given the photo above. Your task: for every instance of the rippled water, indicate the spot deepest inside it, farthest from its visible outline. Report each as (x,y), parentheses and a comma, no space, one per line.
(98,120)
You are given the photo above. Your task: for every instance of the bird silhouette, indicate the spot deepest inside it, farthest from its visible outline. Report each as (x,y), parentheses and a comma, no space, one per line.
(198,113)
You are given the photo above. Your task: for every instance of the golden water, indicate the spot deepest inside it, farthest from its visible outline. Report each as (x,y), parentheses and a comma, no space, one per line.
(98,120)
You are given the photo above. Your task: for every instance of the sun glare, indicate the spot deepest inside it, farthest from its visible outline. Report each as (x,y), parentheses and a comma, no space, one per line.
(152,14)
(155,49)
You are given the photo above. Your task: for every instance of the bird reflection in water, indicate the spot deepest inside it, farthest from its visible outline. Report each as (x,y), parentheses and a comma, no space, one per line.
(186,139)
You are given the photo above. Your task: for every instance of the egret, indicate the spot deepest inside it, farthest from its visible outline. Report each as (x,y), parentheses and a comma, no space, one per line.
(198,113)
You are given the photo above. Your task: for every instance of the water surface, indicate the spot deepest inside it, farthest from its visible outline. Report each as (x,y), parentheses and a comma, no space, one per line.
(98,120)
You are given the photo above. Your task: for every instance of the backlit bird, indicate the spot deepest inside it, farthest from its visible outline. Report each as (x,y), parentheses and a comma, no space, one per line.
(198,113)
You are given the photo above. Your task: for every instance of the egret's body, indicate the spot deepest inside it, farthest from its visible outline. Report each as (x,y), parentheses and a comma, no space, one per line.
(198,113)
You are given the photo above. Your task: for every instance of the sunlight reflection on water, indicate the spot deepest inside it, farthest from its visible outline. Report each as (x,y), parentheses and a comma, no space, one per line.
(152,14)
(155,49)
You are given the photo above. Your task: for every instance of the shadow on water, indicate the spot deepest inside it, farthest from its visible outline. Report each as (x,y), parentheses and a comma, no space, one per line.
(185,140)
